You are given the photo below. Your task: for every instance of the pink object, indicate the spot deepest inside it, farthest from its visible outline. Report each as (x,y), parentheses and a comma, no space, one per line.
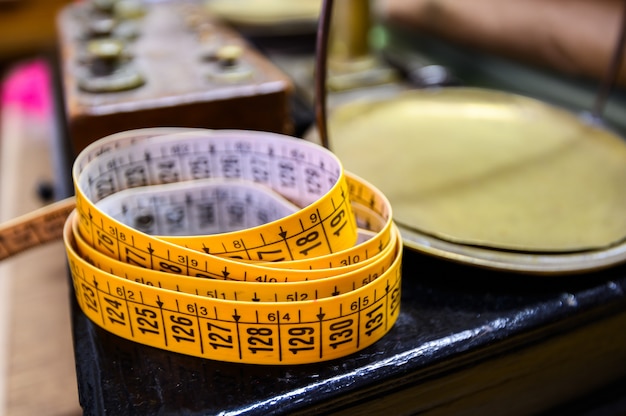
(27,85)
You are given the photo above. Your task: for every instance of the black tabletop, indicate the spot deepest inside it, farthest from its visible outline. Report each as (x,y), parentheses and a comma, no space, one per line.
(450,314)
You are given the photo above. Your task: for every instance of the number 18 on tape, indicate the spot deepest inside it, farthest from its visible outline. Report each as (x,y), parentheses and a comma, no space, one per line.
(231,245)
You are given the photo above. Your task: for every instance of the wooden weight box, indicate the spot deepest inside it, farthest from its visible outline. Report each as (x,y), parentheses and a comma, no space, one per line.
(126,65)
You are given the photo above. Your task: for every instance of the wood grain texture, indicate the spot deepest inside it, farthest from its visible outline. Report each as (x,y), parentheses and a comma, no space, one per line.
(38,375)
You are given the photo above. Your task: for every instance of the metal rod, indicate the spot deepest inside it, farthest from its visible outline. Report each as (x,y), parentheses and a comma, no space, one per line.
(321,53)
(613,69)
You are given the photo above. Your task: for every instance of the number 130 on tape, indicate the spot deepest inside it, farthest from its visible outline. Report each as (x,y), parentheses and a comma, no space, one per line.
(236,246)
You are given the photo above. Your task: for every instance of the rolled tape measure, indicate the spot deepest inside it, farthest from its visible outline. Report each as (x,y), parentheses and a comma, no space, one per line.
(237,246)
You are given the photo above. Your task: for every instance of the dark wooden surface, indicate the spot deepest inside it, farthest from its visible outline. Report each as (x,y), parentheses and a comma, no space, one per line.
(467,341)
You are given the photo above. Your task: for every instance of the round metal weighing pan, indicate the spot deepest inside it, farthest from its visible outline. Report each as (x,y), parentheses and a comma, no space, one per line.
(268,17)
(491,179)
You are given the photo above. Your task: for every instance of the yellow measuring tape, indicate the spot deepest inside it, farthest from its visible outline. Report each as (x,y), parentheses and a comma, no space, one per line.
(237,246)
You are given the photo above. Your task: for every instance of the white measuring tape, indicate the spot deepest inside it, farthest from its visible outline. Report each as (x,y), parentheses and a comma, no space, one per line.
(237,246)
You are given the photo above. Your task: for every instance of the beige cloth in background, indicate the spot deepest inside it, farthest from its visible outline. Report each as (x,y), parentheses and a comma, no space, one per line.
(575,37)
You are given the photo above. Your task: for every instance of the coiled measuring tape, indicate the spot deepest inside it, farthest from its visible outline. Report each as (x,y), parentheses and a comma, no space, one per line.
(237,246)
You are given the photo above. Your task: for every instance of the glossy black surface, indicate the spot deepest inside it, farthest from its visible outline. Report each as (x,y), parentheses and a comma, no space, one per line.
(448,311)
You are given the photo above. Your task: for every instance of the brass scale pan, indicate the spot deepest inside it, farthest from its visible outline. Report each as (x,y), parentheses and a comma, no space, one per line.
(489,178)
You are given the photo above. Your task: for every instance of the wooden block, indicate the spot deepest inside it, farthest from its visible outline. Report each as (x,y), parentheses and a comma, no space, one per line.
(187,77)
